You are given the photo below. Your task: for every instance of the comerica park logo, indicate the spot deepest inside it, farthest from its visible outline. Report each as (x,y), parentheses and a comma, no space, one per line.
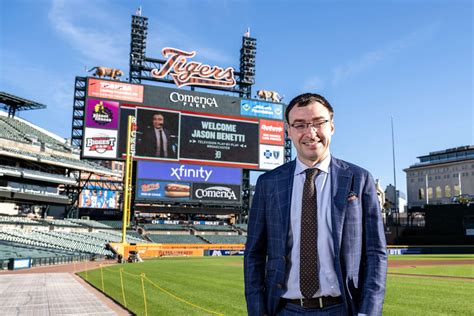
(100,144)
(216,192)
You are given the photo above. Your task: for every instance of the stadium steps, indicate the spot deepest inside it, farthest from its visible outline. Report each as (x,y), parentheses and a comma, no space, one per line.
(21,128)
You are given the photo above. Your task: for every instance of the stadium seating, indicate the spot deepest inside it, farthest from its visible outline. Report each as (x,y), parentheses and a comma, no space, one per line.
(134,234)
(60,222)
(18,220)
(88,223)
(9,132)
(112,224)
(242,227)
(54,158)
(175,239)
(214,228)
(169,227)
(20,132)
(218,239)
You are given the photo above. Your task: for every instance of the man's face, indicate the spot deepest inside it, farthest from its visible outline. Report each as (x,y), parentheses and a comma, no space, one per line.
(312,145)
(158,121)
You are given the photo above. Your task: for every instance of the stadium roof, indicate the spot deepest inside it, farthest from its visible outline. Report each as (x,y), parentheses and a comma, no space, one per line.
(12,103)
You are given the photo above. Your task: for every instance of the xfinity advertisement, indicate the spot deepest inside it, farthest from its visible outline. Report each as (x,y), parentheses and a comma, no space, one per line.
(157,181)
(188,173)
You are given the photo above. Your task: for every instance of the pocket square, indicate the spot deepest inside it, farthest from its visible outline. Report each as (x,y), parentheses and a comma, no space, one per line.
(352,196)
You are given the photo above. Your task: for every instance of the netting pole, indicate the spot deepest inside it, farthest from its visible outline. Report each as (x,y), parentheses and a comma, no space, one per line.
(123,290)
(102,278)
(86,272)
(143,290)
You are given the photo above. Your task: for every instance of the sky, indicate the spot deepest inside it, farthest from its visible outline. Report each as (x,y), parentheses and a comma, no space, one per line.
(410,61)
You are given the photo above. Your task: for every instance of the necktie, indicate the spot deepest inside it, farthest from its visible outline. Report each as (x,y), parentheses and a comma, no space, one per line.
(309,276)
(162,153)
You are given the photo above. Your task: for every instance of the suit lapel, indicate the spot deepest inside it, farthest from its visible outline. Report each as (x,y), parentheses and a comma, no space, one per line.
(283,194)
(341,180)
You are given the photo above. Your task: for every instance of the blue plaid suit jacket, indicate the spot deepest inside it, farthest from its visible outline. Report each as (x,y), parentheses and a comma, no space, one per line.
(358,235)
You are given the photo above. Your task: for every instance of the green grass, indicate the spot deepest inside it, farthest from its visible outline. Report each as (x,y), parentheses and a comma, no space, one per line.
(421,296)
(454,270)
(216,284)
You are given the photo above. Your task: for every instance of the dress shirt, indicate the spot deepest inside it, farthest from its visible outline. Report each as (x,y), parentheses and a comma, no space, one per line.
(328,283)
(159,132)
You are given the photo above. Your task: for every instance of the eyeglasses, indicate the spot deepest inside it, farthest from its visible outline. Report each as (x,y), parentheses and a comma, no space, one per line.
(302,126)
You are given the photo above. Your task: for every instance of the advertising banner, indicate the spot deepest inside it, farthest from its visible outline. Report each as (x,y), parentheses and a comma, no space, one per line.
(216,192)
(186,100)
(205,138)
(188,173)
(272,132)
(114,90)
(162,190)
(271,156)
(261,109)
(102,114)
(218,253)
(99,143)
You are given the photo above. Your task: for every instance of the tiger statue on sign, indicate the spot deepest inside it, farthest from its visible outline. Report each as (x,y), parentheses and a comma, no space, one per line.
(267,94)
(101,71)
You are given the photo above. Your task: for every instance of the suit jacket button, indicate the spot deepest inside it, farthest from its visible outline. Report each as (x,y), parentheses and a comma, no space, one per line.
(279,285)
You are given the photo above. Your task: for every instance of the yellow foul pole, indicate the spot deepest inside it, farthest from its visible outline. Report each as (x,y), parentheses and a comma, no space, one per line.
(127,180)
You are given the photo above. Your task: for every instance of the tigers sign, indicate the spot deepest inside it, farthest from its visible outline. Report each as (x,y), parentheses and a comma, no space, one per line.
(186,73)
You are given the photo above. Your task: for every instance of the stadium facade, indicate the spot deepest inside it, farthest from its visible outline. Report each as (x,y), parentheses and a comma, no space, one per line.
(440,176)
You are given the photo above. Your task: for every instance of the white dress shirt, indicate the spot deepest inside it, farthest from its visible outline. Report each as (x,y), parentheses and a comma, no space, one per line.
(328,283)
(160,134)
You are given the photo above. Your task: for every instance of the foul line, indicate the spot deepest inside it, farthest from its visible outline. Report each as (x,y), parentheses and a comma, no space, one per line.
(167,292)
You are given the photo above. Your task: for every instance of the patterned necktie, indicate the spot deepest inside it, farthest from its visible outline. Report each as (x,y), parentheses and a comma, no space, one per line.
(309,277)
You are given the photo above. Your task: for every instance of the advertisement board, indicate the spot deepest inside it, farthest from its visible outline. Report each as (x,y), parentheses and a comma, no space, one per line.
(271,156)
(162,190)
(115,90)
(186,100)
(261,109)
(183,126)
(272,132)
(96,197)
(99,143)
(188,173)
(184,182)
(102,114)
(216,192)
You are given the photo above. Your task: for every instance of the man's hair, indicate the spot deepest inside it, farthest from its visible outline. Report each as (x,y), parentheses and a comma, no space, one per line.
(307,99)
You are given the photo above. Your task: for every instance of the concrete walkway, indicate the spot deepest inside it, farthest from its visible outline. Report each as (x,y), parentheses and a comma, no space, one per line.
(47,294)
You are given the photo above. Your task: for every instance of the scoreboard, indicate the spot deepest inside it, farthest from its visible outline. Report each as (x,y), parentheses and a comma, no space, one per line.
(182,130)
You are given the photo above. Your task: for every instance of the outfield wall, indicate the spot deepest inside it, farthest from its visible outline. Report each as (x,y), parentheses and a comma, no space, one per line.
(428,249)
(159,250)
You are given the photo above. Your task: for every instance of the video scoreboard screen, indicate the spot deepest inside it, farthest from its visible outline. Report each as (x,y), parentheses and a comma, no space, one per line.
(182,128)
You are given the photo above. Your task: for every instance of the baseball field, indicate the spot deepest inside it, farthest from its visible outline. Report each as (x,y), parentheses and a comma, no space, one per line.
(416,285)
